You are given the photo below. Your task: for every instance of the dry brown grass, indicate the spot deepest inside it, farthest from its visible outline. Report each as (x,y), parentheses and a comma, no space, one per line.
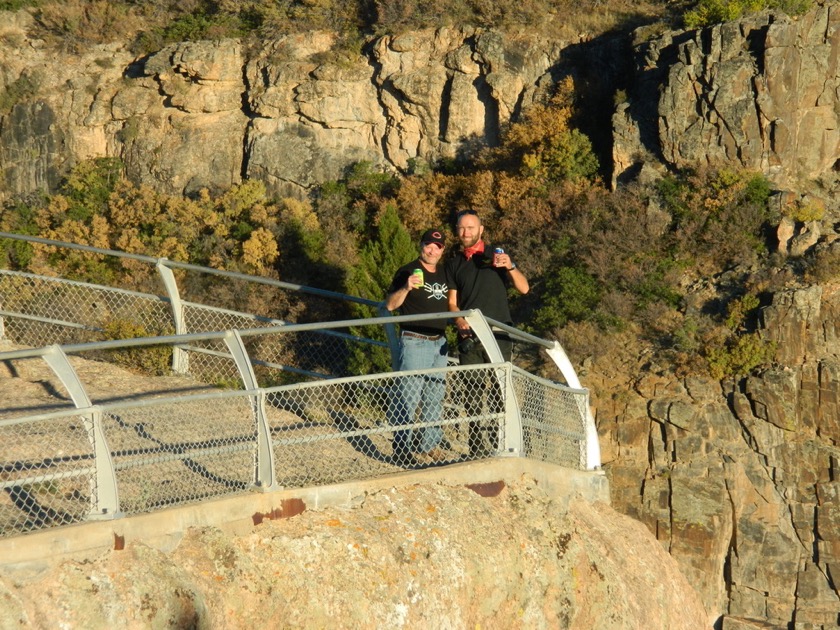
(74,24)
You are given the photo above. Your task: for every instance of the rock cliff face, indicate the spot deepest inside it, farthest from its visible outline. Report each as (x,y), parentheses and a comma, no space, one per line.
(739,480)
(208,114)
(762,93)
(417,557)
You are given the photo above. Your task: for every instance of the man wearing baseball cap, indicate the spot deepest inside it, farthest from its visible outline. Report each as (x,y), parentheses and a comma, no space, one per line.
(419,288)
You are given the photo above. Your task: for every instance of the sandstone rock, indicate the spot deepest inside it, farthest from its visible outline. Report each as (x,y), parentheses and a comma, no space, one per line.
(293,113)
(420,556)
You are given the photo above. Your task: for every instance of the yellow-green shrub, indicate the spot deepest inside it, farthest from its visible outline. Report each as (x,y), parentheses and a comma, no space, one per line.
(155,360)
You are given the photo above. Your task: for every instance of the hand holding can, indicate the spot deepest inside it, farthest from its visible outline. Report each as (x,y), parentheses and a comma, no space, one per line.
(418,274)
(496,254)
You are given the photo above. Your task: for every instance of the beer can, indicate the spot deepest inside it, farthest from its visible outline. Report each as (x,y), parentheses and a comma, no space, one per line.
(496,252)
(419,274)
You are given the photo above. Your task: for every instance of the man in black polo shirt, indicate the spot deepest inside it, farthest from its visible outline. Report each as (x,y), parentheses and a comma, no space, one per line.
(422,346)
(479,279)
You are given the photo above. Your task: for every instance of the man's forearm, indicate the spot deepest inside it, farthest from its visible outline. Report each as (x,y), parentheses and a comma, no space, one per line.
(520,282)
(394,300)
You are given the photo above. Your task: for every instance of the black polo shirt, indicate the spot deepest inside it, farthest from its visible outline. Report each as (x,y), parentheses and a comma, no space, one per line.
(479,284)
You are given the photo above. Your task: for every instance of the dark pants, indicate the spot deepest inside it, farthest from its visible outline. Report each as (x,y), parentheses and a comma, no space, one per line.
(483,439)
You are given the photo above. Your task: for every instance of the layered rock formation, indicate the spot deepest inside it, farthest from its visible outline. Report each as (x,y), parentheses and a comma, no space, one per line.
(762,93)
(293,113)
(739,480)
(420,556)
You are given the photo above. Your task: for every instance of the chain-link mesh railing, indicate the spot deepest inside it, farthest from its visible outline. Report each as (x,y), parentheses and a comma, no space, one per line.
(39,310)
(48,472)
(237,401)
(160,450)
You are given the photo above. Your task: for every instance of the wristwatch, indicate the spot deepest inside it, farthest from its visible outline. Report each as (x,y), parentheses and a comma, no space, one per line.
(512,266)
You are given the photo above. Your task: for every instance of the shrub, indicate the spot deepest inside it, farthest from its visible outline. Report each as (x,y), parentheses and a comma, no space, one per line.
(708,12)
(544,145)
(740,310)
(719,217)
(154,360)
(18,91)
(825,267)
(17,5)
(740,355)
(75,25)
(89,186)
(571,294)
(739,352)
(804,211)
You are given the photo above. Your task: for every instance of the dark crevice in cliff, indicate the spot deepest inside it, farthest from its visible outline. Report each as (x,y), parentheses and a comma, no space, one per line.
(756,46)
(443,114)
(644,81)
(671,524)
(250,115)
(166,96)
(732,547)
(600,68)
(135,70)
(705,41)
(740,388)
(491,111)
(380,87)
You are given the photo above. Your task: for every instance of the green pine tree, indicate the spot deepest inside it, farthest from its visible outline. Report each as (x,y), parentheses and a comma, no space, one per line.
(389,247)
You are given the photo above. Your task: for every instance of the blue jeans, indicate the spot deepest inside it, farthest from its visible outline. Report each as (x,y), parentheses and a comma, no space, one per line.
(425,391)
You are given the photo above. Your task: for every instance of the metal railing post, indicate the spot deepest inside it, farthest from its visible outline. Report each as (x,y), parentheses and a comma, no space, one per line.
(180,359)
(104,495)
(513,419)
(512,445)
(592,455)
(485,335)
(264,466)
(391,335)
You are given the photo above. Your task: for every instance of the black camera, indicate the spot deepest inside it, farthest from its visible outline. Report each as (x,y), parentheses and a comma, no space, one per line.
(466,342)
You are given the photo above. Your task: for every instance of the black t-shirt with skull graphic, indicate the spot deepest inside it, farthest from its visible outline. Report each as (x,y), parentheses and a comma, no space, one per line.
(430,298)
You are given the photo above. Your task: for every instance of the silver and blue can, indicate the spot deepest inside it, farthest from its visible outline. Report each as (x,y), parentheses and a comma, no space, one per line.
(496,252)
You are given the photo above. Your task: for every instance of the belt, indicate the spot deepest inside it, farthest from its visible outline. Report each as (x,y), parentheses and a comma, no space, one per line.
(409,333)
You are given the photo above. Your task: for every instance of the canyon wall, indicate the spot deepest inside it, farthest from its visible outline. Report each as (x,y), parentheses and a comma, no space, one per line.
(209,114)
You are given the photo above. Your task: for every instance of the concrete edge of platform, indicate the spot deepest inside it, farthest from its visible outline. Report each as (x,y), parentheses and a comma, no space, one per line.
(30,554)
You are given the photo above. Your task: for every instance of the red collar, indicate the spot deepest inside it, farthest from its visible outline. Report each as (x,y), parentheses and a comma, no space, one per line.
(478,248)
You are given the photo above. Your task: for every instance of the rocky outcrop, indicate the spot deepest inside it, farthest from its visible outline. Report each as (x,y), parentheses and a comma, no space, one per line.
(738,480)
(293,113)
(762,93)
(413,557)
